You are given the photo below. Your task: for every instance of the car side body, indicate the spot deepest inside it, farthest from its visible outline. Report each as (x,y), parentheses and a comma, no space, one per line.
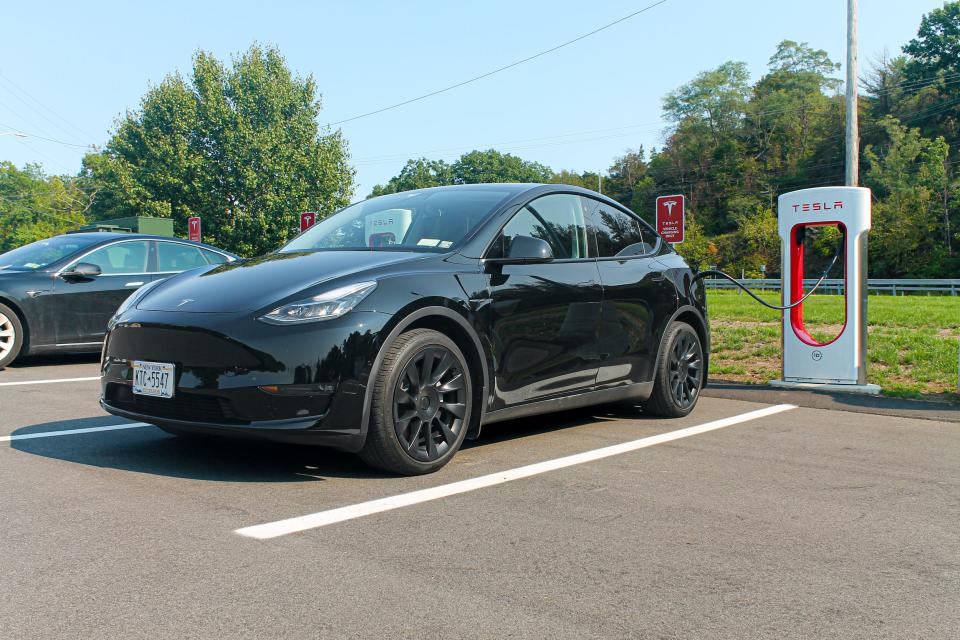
(536,337)
(60,313)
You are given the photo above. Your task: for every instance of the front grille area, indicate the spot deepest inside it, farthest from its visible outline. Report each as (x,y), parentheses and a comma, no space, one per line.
(190,407)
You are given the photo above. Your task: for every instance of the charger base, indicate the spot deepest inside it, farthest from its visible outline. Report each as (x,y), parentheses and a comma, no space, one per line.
(864,389)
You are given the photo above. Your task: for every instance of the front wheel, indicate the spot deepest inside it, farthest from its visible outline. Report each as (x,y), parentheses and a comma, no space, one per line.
(679,373)
(421,404)
(11,335)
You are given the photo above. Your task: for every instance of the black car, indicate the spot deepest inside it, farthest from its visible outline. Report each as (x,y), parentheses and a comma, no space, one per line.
(57,295)
(398,326)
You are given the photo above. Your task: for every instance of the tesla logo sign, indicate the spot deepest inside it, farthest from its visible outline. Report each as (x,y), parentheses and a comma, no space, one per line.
(817,206)
(193,224)
(671,217)
(307,220)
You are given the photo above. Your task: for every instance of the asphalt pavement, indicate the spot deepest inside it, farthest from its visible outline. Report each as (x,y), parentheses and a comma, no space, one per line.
(794,522)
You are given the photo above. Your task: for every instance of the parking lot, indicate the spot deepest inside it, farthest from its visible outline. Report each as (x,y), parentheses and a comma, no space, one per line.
(766,520)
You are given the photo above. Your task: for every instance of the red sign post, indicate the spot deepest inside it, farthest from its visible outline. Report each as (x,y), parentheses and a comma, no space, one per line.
(671,218)
(193,224)
(307,220)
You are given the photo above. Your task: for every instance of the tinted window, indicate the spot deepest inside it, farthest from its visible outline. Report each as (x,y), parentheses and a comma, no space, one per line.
(618,234)
(557,219)
(213,257)
(173,256)
(428,220)
(125,257)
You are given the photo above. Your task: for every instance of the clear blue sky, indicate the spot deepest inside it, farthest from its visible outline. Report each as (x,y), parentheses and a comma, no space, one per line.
(88,62)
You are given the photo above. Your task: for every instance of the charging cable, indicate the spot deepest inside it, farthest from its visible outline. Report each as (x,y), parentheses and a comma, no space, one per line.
(716,272)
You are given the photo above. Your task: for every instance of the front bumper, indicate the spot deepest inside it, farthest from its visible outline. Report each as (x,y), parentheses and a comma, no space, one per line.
(317,375)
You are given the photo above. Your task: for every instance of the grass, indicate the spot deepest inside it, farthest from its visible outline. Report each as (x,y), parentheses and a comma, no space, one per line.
(911,345)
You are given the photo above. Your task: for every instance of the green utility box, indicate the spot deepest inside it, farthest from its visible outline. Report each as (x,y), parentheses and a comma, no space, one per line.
(134,224)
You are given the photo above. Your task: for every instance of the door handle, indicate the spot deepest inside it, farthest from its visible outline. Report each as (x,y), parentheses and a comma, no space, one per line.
(134,284)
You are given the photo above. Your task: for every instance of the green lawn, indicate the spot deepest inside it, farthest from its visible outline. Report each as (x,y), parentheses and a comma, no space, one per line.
(911,349)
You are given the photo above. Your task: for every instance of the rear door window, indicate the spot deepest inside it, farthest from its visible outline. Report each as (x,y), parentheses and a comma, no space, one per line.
(175,257)
(618,234)
(213,257)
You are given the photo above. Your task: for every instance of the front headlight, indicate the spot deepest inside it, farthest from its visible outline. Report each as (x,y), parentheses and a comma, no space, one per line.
(326,306)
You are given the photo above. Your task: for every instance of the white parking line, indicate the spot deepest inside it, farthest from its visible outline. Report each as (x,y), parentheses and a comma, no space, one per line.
(72,432)
(23,382)
(332,516)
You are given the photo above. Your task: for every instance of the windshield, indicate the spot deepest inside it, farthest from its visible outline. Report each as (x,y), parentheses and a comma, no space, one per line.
(38,255)
(428,220)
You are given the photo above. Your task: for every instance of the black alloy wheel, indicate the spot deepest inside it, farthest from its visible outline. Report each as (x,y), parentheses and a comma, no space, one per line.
(679,373)
(429,403)
(686,362)
(421,404)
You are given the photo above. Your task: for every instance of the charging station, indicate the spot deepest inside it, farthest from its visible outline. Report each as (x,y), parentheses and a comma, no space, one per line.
(840,363)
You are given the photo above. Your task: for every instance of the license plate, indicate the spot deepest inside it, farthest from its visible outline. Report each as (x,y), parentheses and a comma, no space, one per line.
(153,379)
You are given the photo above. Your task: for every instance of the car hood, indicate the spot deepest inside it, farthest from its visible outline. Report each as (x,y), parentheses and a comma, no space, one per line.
(253,284)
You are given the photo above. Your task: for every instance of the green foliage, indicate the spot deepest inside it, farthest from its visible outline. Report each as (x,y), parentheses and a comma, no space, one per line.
(417,174)
(471,168)
(492,166)
(909,177)
(35,206)
(238,146)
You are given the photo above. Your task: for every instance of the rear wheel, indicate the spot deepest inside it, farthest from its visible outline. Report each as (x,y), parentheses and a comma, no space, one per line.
(421,404)
(679,373)
(11,335)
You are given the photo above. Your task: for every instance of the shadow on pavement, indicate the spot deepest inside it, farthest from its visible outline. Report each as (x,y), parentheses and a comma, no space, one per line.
(152,451)
(28,362)
(837,401)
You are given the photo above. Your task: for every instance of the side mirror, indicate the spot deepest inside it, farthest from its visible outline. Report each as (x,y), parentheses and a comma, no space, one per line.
(82,270)
(526,250)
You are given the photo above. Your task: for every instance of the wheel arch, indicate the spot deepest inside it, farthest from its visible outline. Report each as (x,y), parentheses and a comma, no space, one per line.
(455,326)
(692,316)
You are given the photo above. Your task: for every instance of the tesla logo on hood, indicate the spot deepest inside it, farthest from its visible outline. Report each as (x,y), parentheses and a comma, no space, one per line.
(185,301)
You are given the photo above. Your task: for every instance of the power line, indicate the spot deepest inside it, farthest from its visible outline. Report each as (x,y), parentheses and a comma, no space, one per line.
(17,92)
(39,137)
(499,69)
(555,140)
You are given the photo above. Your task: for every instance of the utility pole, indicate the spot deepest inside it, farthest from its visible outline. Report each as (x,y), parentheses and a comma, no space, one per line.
(853,128)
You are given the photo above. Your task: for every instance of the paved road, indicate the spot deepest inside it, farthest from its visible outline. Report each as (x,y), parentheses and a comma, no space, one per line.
(808,523)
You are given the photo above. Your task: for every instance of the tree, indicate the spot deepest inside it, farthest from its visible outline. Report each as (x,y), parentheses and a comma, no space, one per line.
(35,206)
(937,45)
(238,146)
(471,168)
(417,174)
(911,221)
(492,166)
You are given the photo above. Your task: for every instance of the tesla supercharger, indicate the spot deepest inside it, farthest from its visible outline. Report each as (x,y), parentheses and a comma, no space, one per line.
(841,361)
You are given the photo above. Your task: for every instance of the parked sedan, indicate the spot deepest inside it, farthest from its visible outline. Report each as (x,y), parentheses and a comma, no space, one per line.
(400,325)
(57,295)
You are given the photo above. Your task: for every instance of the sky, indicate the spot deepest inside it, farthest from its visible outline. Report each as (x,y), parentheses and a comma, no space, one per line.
(68,70)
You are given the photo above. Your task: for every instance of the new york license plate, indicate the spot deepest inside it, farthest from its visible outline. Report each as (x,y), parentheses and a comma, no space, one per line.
(153,379)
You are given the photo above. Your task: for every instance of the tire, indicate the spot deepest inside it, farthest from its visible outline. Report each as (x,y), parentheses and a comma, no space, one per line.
(679,373)
(11,335)
(420,410)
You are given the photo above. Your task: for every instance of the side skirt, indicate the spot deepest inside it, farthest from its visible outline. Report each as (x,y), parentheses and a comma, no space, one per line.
(639,391)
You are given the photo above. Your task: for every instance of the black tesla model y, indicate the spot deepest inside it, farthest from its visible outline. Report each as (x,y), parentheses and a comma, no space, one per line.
(402,324)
